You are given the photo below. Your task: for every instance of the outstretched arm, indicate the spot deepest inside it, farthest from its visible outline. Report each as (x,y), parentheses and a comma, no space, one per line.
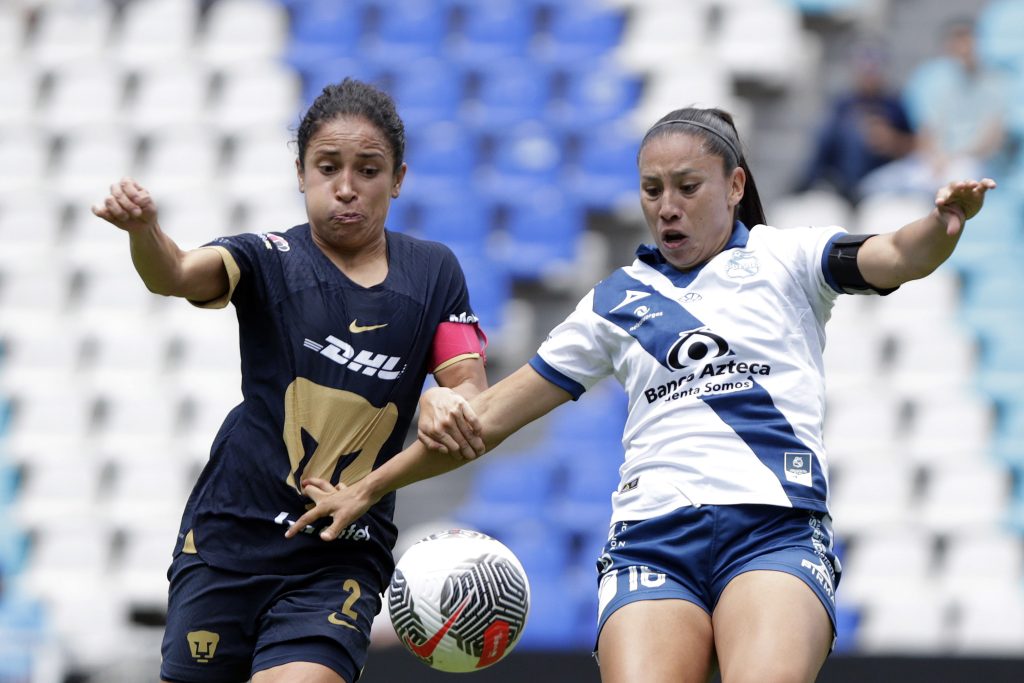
(509,405)
(197,275)
(915,250)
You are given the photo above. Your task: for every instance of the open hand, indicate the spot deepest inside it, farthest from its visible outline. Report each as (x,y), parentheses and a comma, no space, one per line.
(128,206)
(961,200)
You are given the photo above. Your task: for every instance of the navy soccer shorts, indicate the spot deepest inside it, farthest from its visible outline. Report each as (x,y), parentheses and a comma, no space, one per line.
(692,554)
(224,626)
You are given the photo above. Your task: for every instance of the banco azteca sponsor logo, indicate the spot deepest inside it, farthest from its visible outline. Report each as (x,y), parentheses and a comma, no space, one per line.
(704,356)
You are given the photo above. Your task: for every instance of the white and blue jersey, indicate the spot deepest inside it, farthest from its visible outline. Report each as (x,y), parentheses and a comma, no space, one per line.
(723,369)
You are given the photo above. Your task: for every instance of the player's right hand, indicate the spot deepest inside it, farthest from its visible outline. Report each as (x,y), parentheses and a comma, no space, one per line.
(128,206)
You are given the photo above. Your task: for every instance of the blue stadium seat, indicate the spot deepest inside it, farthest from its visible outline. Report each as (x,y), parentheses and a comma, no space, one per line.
(405,30)
(525,160)
(426,91)
(581,32)
(541,231)
(508,93)
(595,97)
(605,172)
(442,158)
(509,491)
(455,219)
(490,30)
(323,30)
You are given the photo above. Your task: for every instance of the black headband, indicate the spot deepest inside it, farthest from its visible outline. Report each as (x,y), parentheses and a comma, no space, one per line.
(698,124)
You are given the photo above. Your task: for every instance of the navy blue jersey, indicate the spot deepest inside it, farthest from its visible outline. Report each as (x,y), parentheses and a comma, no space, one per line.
(331,375)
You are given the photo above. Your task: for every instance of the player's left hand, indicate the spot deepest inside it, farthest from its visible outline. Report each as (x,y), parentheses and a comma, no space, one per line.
(961,200)
(448,424)
(341,503)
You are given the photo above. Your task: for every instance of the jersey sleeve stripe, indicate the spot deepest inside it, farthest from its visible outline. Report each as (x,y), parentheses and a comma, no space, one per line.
(234,275)
(574,388)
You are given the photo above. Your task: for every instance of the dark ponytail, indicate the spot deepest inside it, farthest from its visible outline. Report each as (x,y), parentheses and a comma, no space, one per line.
(716,128)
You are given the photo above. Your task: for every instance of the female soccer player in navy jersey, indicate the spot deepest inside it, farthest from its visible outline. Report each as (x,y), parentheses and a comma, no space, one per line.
(340,320)
(721,549)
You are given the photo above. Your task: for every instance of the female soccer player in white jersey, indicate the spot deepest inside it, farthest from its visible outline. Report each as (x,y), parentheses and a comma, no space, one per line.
(721,549)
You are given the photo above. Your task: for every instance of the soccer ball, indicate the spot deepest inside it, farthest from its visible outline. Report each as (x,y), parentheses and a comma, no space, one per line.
(459,600)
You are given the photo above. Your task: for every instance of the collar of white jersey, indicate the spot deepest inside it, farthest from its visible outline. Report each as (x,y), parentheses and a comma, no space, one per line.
(649,254)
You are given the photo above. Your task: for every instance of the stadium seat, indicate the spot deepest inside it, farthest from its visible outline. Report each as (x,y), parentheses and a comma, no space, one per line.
(443,157)
(509,93)
(405,31)
(262,161)
(427,91)
(949,426)
(19,97)
(70,33)
(973,494)
(981,562)
(13,31)
(580,33)
(909,621)
(156,32)
(605,176)
(877,564)
(659,36)
(526,159)
(257,94)
(596,96)
(455,220)
(866,496)
(490,286)
(66,488)
(488,32)
(33,304)
(270,213)
(90,161)
(887,212)
(169,96)
(990,623)
(84,95)
(24,163)
(180,163)
(323,30)
(815,207)
(238,33)
(508,491)
(540,235)
(762,43)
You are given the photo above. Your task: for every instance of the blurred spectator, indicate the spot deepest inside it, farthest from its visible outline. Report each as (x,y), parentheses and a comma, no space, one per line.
(961,106)
(865,128)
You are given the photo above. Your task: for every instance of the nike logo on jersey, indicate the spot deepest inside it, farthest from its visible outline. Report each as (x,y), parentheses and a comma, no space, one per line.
(631,296)
(355,328)
(426,649)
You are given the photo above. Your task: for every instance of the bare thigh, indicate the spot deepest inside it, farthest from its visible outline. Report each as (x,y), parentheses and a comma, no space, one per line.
(656,641)
(298,672)
(770,627)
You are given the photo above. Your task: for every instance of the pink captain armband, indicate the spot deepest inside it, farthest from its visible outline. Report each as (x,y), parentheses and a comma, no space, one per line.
(454,342)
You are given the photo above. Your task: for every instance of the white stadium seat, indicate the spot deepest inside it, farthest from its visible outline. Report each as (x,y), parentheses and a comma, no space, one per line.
(238,32)
(68,34)
(169,95)
(156,32)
